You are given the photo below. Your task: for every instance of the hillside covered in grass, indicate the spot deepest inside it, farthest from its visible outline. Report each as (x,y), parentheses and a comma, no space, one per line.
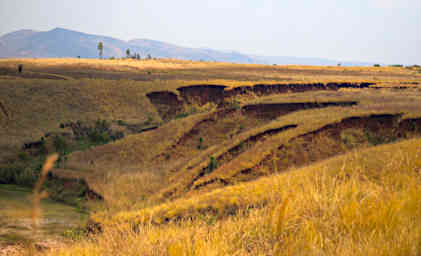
(174,154)
(362,203)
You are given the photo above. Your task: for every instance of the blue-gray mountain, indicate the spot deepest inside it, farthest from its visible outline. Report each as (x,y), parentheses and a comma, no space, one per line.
(61,42)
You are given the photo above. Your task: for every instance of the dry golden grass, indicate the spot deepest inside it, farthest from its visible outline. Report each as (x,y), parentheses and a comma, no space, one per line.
(117,64)
(55,101)
(35,107)
(40,194)
(123,64)
(137,154)
(307,121)
(362,203)
(351,204)
(52,102)
(170,69)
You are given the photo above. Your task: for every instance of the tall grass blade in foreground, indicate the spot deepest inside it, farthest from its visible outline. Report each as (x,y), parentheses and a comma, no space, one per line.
(40,194)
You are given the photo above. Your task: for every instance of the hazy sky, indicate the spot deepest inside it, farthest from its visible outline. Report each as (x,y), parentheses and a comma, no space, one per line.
(386,31)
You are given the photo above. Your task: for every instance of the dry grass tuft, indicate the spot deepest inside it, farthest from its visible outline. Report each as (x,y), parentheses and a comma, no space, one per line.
(363,203)
(39,194)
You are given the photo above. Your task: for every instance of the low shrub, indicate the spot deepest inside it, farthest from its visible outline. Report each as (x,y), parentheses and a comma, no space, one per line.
(213,164)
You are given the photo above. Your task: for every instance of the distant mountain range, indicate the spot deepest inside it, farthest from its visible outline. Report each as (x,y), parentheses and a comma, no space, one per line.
(60,43)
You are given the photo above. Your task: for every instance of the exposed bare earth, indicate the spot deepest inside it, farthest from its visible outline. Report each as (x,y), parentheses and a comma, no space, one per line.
(178,130)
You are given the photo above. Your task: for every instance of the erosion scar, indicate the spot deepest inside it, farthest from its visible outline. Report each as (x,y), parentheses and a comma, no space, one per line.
(3,109)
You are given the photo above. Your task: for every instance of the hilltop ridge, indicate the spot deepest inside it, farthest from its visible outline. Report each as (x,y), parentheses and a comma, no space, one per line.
(61,42)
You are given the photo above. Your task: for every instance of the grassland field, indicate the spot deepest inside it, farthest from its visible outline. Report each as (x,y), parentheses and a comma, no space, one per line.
(173,157)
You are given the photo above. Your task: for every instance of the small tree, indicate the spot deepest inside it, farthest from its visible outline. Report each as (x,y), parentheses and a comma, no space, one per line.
(149,57)
(128,53)
(100,49)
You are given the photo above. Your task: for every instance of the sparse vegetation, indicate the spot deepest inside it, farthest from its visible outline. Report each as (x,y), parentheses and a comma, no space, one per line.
(100,49)
(254,160)
(60,145)
(200,145)
(213,164)
(364,197)
(128,53)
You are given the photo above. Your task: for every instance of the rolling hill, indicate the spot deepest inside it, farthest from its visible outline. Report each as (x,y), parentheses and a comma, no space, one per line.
(60,43)
(173,157)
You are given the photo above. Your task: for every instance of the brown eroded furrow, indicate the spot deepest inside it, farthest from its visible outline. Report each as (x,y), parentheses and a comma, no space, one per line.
(202,168)
(166,103)
(214,129)
(202,94)
(224,124)
(273,110)
(335,139)
(169,105)
(4,110)
(237,150)
(268,89)
(326,142)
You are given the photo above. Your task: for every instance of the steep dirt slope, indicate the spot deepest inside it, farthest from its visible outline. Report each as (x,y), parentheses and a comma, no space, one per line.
(228,144)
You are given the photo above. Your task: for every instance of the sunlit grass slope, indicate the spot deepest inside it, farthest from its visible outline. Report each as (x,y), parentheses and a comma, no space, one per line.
(31,108)
(361,203)
(155,183)
(35,104)
(171,69)
(126,163)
